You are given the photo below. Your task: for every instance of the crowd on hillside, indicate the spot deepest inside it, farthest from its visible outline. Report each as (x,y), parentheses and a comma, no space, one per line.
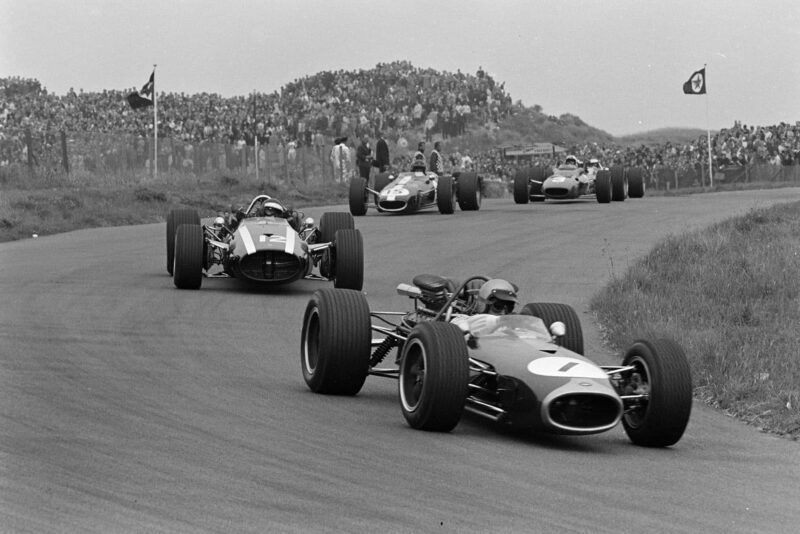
(392,98)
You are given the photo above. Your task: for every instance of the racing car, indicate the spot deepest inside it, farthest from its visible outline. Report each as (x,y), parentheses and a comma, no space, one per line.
(411,191)
(265,244)
(525,370)
(573,179)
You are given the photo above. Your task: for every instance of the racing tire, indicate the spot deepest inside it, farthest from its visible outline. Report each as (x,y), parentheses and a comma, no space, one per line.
(521,191)
(336,342)
(469,191)
(602,186)
(636,184)
(175,218)
(188,268)
(333,221)
(434,373)
(619,184)
(446,195)
(537,177)
(358,196)
(550,312)
(347,260)
(663,370)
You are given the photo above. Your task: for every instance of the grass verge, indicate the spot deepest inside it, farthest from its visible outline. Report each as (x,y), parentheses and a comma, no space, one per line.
(730,294)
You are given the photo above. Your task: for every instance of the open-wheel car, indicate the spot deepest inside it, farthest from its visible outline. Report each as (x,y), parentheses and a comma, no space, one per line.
(456,351)
(265,244)
(573,179)
(415,190)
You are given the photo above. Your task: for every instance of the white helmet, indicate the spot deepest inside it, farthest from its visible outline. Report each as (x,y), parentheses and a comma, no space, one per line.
(272,208)
(497,296)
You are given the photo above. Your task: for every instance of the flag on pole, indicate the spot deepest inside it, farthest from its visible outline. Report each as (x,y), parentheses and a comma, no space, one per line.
(144,97)
(696,84)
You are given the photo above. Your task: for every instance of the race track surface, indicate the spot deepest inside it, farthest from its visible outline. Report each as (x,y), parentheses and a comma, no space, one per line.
(127,405)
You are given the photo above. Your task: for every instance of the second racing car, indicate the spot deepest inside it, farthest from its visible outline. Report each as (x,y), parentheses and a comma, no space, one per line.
(265,244)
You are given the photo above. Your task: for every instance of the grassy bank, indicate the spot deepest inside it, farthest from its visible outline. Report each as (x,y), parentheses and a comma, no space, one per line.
(730,294)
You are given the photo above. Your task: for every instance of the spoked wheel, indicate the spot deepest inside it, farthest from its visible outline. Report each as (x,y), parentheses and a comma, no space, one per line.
(663,378)
(434,371)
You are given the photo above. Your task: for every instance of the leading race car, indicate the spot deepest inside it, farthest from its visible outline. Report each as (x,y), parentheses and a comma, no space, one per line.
(265,244)
(573,179)
(460,349)
(411,191)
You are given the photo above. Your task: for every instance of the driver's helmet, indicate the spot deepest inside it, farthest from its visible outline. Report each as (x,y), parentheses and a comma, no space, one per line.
(271,208)
(571,160)
(497,296)
(419,162)
(594,162)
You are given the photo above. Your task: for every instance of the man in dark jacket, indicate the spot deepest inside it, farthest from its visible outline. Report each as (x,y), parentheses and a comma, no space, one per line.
(381,154)
(364,158)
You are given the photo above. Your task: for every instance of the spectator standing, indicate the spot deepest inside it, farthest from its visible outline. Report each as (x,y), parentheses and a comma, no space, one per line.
(364,158)
(436,163)
(382,154)
(420,153)
(340,158)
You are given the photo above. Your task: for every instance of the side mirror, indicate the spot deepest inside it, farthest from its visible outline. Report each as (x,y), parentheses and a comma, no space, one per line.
(558,329)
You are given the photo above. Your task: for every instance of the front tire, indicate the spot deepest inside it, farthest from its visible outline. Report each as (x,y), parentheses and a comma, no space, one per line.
(521,184)
(336,342)
(619,184)
(348,260)
(446,195)
(663,371)
(434,372)
(174,220)
(550,312)
(188,268)
(358,196)
(602,186)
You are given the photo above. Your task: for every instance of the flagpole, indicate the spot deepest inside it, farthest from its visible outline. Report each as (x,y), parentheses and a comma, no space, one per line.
(155,127)
(708,134)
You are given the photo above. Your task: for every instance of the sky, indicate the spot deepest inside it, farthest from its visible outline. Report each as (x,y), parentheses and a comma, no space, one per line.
(617,64)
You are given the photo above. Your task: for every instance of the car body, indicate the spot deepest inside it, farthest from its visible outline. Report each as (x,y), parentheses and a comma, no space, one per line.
(524,370)
(573,180)
(264,249)
(415,190)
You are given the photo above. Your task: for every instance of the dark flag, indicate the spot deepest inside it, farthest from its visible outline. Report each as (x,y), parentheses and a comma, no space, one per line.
(144,97)
(696,84)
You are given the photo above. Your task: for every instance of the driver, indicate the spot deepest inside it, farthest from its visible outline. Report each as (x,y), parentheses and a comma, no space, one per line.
(497,297)
(271,208)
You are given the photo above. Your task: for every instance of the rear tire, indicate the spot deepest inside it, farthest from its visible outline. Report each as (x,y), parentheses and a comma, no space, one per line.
(335,351)
(664,370)
(636,184)
(333,221)
(358,196)
(348,260)
(602,186)
(188,268)
(469,191)
(174,220)
(434,372)
(550,312)
(446,195)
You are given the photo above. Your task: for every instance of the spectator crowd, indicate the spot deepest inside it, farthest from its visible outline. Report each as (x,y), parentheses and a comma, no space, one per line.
(394,99)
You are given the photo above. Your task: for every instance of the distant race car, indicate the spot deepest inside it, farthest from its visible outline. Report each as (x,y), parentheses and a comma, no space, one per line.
(573,179)
(412,191)
(525,370)
(265,244)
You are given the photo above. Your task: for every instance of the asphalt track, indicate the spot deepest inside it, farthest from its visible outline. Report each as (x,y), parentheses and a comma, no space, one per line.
(127,405)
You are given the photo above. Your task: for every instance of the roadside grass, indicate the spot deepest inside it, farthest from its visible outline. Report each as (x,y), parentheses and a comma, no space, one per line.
(50,204)
(730,294)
